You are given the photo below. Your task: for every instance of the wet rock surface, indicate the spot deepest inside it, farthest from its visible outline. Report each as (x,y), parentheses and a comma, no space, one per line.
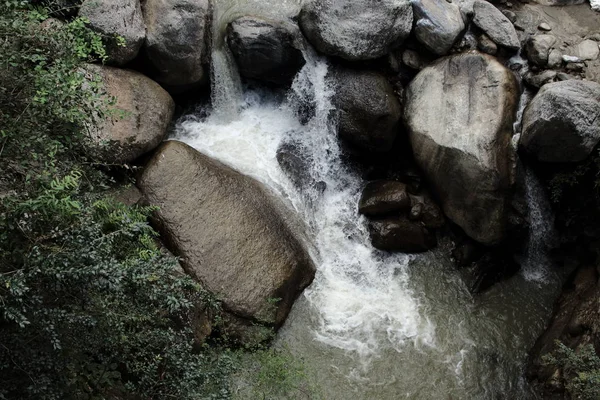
(356,29)
(265,50)
(231,234)
(459,112)
(562,124)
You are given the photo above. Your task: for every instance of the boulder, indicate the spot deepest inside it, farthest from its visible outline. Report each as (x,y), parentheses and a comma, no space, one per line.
(538,49)
(296,161)
(401,234)
(232,235)
(413,60)
(460,112)
(113,18)
(383,197)
(587,50)
(438,24)
(368,110)
(144,110)
(495,24)
(265,50)
(356,29)
(176,44)
(425,210)
(562,122)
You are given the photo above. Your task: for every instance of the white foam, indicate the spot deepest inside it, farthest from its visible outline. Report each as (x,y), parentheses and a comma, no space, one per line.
(361,295)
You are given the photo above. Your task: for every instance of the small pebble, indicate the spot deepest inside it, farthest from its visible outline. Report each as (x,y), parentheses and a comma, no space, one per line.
(544,27)
(512,17)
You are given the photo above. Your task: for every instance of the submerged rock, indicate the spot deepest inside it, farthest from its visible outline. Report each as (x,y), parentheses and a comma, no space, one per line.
(460,112)
(401,234)
(147,111)
(113,18)
(264,50)
(368,110)
(232,235)
(383,197)
(176,41)
(562,123)
(438,24)
(356,29)
(495,24)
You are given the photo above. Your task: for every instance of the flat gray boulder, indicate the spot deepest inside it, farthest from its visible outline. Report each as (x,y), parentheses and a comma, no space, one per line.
(265,50)
(232,235)
(538,48)
(495,24)
(144,111)
(113,18)
(176,41)
(562,122)
(368,110)
(438,24)
(459,112)
(356,29)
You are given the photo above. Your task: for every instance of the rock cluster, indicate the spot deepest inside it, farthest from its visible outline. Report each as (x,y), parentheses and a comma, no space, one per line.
(447,104)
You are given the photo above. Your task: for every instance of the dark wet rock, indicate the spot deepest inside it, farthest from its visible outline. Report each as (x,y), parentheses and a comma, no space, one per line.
(368,110)
(438,24)
(495,24)
(232,235)
(113,18)
(401,234)
(176,44)
(147,111)
(384,197)
(487,45)
(538,48)
(429,213)
(265,50)
(356,29)
(413,60)
(460,112)
(562,123)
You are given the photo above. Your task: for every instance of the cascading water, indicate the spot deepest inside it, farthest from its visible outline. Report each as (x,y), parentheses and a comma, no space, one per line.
(373,325)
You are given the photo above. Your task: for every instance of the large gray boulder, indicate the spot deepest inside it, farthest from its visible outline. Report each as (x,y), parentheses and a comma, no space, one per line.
(117,18)
(438,24)
(356,29)
(232,235)
(495,24)
(562,122)
(368,109)
(144,111)
(265,50)
(176,41)
(460,112)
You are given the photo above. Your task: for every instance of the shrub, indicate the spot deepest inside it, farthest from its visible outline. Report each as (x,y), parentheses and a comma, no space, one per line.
(580,370)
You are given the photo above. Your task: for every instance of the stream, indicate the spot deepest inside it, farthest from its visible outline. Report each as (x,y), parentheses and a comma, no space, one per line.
(373,325)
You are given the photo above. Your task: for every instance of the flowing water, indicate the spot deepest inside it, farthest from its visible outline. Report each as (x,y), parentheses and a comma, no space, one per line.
(373,325)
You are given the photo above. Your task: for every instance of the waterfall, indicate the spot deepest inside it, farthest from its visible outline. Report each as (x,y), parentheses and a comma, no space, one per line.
(374,325)
(536,263)
(358,293)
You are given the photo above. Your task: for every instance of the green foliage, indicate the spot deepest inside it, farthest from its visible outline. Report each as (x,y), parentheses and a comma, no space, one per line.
(44,107)
(580,370)
(271,374)
(90,306)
